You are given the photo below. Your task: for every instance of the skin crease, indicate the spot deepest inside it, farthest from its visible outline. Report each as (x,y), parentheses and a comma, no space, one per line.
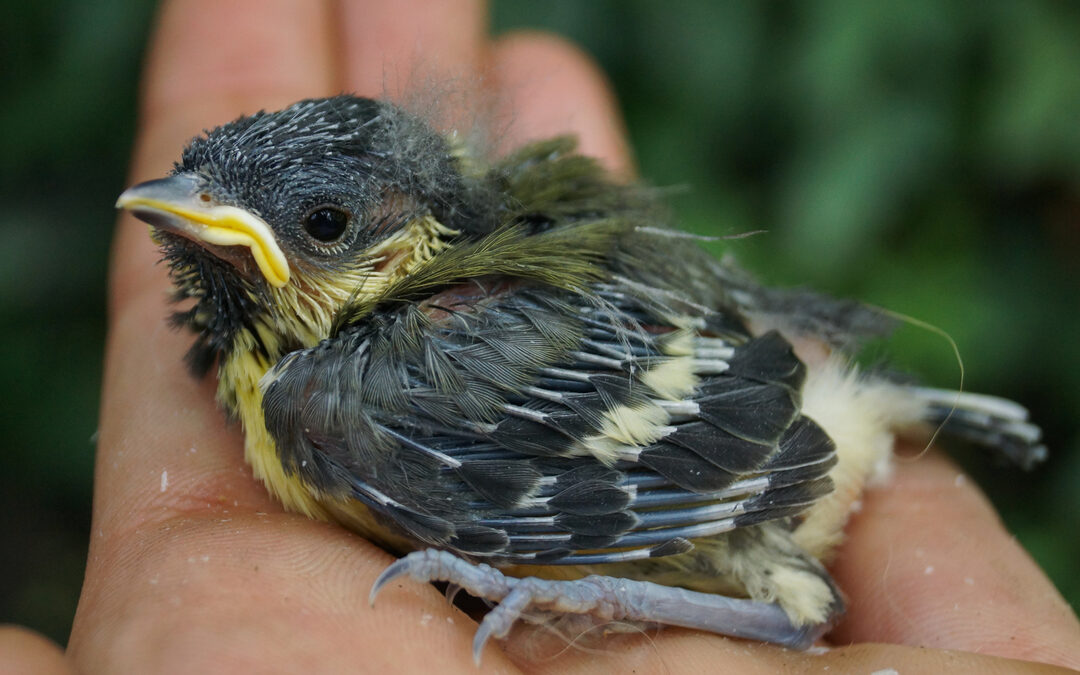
(193,568)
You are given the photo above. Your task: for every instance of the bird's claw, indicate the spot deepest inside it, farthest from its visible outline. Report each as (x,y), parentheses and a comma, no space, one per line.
(482,581)
(603,598)
(593,595)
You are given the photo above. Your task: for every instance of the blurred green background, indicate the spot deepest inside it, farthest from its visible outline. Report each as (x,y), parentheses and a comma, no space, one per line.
(924,156)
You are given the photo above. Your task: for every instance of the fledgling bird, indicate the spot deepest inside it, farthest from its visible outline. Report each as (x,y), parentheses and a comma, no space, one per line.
(517,370)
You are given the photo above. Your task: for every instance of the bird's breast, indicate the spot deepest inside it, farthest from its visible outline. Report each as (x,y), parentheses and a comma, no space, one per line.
(238,390)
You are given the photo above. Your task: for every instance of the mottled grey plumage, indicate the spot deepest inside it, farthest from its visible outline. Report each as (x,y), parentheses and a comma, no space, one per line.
(520,364)
(445,426)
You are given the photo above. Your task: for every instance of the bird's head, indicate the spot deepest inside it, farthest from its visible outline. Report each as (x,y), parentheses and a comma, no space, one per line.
(272,222)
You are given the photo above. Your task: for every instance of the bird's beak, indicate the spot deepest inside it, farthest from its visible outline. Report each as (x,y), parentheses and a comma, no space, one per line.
(179,204)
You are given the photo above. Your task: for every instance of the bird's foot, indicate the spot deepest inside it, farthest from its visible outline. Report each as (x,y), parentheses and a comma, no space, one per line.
(603,598)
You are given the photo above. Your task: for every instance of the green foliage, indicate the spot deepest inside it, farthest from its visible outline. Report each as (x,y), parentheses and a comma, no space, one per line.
(924,156)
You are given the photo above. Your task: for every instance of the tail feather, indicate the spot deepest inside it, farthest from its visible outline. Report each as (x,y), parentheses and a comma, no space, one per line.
(988,421)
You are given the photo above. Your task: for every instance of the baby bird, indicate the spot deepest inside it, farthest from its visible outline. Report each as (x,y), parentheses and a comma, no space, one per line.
(518,372)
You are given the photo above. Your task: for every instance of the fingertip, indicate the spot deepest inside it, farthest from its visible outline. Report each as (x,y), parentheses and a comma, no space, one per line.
(427,57)
(208,58)
(389,48)
(546,86)
(25,652)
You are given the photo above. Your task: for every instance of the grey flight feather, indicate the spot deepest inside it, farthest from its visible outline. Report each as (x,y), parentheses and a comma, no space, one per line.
(481,445)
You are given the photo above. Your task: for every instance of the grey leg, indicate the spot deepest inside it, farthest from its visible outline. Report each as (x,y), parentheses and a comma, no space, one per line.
(606,598)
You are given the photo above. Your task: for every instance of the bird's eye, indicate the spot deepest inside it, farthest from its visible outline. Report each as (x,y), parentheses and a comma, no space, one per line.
(326,223)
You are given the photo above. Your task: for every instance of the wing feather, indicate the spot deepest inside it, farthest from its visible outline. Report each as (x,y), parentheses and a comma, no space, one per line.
(536,425)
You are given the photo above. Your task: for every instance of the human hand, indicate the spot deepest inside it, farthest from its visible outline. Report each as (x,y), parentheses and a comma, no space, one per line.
(194,568)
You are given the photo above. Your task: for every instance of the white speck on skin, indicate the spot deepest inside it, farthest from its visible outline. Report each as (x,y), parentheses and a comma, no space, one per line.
(886,671)
(192,450)
(153,581)
(919,553)
(425,619)
(205,558)
(164,481)
(960,481)
(856,506)
(969,581)
(449,619)
(817,650)
(929,570)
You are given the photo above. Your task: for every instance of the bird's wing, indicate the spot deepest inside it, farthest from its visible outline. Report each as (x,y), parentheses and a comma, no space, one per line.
(525,424)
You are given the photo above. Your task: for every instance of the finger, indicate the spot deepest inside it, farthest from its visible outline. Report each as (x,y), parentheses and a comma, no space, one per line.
(210,62)
(929,563)
(263,592)
(547,87)
(24,652)
(676,651)
(163,445)
(391,47)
